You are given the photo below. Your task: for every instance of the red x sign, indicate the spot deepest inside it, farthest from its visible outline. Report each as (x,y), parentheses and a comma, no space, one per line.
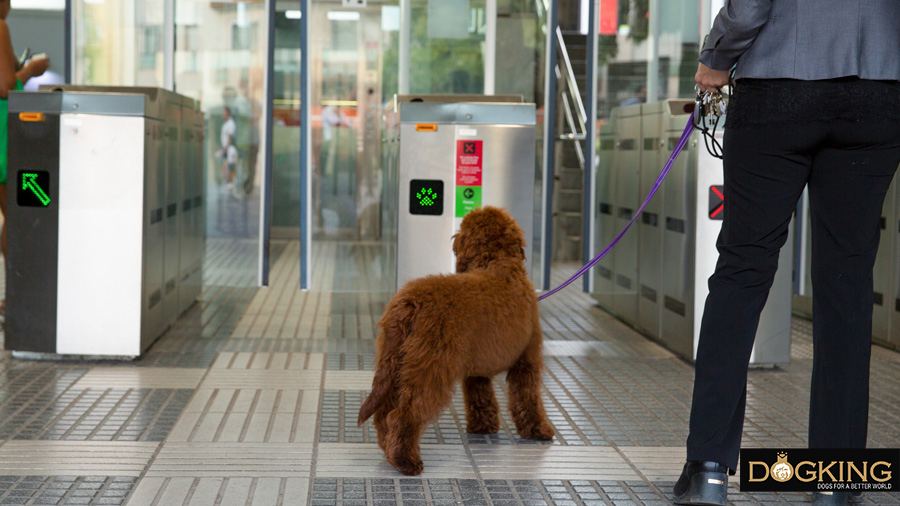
(716,202)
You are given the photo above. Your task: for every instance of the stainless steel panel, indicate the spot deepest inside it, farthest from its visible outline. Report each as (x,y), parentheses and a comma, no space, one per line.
(605,221)
(189,281)
(625,254)
(649,225)
(165,138)
(679,223)
(508,139)
(508,176)
(172,201)
(152,321)
(468,113)
(424,241)
(773,336)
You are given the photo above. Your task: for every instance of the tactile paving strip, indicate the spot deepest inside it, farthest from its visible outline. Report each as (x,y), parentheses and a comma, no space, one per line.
(107,415)
(204,491)
(106,490)
(75,458)
(507,492)
(30,391)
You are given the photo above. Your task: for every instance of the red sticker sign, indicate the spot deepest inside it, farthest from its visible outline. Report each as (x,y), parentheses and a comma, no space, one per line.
(468,163)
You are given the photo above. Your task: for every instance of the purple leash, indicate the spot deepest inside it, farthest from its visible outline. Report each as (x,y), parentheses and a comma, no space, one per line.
(688,130)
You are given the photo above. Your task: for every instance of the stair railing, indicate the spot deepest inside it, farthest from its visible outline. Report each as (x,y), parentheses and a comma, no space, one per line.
(572,108)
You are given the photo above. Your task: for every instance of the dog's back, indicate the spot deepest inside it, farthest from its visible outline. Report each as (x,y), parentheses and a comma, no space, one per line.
(467,326)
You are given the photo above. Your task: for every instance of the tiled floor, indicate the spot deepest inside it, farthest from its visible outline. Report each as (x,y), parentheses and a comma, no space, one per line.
(251,399)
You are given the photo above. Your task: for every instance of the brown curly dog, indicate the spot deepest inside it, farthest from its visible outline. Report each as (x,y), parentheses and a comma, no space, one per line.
(467,327)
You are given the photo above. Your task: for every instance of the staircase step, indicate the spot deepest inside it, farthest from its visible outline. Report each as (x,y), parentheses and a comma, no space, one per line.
(570,179)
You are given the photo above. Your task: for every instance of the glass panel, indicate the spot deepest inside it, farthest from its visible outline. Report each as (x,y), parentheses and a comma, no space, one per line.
(353,73)
(622,56)
(521,51)
(118,43)
(220,60)
(447,46)
(354,64)
(286,132)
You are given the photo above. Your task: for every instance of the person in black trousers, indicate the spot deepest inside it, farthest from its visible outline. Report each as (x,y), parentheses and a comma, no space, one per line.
(817,104)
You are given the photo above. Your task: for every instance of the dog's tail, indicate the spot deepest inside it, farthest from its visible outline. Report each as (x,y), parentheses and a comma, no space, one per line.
(395,324)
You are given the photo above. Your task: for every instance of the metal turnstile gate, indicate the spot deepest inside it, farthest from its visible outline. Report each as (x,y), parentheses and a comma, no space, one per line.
(656,277)
(452,154)
(105,220)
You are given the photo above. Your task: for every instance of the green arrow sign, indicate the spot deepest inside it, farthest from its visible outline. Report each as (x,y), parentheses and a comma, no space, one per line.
(29,183)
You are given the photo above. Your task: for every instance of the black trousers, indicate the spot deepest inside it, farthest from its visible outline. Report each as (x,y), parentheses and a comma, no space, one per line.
(848,167)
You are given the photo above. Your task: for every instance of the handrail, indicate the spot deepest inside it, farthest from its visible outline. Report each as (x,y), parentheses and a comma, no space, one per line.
(579,151)
(571,83)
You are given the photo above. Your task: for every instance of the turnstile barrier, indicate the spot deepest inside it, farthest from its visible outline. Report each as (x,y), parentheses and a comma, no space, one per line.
(656,277)
(886,272)
(452,154)
(105,218)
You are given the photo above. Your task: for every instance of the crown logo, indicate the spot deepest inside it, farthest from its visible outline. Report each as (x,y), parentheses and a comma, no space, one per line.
(782,470)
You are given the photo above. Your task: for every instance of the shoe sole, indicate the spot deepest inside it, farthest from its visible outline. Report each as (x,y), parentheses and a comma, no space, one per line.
(707,489)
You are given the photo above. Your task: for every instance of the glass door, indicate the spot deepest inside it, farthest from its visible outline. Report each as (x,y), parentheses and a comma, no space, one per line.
(220,60)
(353,69)
(286,127)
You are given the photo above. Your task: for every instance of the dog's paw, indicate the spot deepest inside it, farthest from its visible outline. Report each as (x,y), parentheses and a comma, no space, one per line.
(541,432)
(407,465)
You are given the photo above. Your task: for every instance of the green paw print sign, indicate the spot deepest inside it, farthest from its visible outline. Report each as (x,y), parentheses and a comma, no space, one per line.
(426,196)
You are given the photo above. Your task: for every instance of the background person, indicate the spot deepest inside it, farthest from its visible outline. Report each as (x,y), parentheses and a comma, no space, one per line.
(817,104)
(228,154)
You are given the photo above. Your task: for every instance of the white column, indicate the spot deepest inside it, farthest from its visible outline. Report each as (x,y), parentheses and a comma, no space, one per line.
(591,155)
(169,45)
(708,11)
(405,33)
(653,53)
(490,48)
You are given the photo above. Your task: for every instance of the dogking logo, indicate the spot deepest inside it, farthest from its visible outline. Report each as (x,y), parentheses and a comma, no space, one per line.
(765,470)
(781,470)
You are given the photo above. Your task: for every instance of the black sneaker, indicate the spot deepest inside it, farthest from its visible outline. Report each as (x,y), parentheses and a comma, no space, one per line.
(702,483)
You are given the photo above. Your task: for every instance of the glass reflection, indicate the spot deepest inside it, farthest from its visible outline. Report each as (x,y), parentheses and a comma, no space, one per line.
(625,43)
(118,43)
(220,60)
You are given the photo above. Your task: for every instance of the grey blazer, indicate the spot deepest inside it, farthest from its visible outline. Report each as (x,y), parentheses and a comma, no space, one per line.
(806,39)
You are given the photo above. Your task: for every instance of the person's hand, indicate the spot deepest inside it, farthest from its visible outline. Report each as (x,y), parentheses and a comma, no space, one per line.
(37,66)
(710,80)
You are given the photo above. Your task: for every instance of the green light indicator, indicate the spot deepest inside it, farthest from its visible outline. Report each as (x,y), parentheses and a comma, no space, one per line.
(426,197)
(29,182)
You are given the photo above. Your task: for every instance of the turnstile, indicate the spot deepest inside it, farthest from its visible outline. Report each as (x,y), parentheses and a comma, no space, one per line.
(886,272)
(452,155)
(105,218)
(656,277)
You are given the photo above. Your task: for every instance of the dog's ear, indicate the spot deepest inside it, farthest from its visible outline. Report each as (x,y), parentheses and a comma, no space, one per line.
(456,243)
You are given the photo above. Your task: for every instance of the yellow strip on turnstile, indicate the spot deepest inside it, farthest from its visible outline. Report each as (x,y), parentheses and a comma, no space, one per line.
(31,116)
(426,127)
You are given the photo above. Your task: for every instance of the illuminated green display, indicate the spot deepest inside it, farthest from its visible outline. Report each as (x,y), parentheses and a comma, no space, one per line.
(426,196)
(32,189)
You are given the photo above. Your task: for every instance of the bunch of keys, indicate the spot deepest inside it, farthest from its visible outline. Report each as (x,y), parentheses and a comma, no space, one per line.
(709,105)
